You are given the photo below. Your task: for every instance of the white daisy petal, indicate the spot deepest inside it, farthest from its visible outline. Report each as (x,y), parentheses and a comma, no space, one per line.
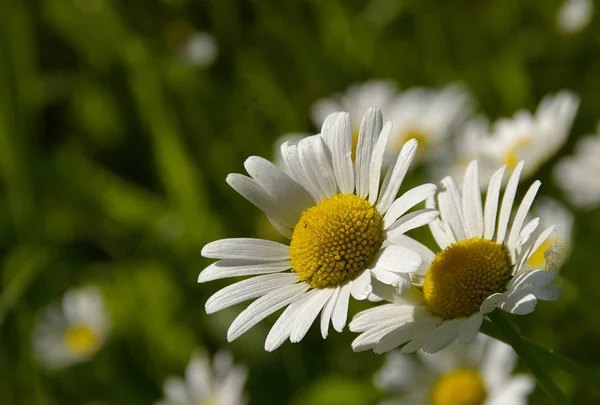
(263,307)
(317,167)
(491,203)
(443,335)
(426,254)
(398,259)
(291,159)
(235,267)
(490,303)
(471,201)
(470,328)
(408,200)
(309,312)
(340,312)
(449,208)
(253,192)
(283,230)
(412,220)
(377,161)
(395,176)
(337,133)
(246,249)
(327,312)
(248,289)
(507,202)
(282,328)
(520,305)
(370,127)
(285,191)
(522,214)
(361,286)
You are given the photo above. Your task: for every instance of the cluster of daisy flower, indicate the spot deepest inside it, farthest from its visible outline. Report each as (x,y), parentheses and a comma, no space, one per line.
(337,198)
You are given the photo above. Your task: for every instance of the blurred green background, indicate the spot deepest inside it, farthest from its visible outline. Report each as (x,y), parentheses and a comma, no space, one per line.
(114,150)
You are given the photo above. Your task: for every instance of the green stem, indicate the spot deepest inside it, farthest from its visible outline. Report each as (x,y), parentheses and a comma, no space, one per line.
(514,339)
(550,358)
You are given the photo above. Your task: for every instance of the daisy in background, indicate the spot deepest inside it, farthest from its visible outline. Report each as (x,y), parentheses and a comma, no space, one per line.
(221,383)
(574,15)
(478,269)
(577,175)
(476,374)
(200,49)
(73,331)
(345,230)
(471,143)
(426,115)
(555,250)
(429,116)
(534,138)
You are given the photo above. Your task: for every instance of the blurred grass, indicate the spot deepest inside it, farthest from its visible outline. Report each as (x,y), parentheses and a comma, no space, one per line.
(114,151)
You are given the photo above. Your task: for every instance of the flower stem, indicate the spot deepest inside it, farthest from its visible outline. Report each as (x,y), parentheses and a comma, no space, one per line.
(549,358)
(521,347)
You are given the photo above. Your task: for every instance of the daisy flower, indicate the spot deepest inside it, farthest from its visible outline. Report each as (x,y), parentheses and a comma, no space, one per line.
(429,116)
(200,49)
(534,138)
(73,331)
(344,229)
(574,15)
(221,383)
(478,373)
(553,251)
(471,143)
(479,269)
(572,174)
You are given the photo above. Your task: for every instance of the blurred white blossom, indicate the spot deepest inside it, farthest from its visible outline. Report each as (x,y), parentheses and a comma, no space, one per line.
(72,331)
(574,15)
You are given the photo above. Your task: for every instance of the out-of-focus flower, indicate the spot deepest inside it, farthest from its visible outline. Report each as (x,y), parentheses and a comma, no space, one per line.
(552,212)
(356,100)
(429,116)
(345,229)
(200,49)
(469,144)
(426,115)
(479,269)
(534,138)
(221,383)
(578,175)
(574,15)
(478,373)
(73,331)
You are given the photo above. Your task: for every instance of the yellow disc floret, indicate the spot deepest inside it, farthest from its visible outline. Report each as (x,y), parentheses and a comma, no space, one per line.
(459,387)
(81,340)
(335,240)
(464,274)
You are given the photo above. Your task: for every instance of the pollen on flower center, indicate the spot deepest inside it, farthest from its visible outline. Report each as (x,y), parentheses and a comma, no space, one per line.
(459,387)
(511,158)
(80,339)
(335,240)
(463,275)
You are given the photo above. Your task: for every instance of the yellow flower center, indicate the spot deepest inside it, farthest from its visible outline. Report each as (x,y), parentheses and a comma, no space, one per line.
(463,275)
(537,259)
(511,158)
(81,340)
(335,240)
(419,135)
(459,387)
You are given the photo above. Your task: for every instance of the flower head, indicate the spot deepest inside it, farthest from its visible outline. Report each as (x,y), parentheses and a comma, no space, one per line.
(73,331)
(219,383)
(479,268)
(577,175)
(534,138)
(345,229)
(474,374)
